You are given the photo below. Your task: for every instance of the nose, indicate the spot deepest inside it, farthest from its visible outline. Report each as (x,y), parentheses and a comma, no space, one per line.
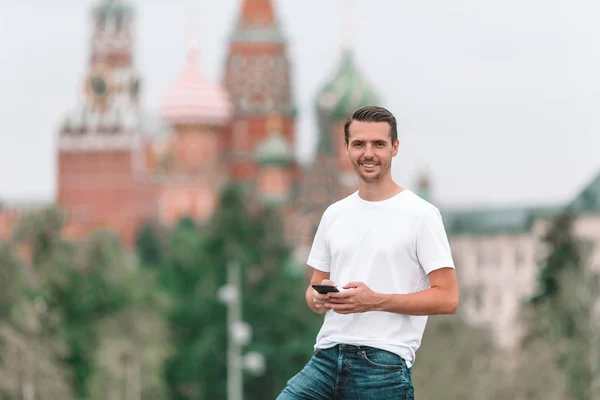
(369,151)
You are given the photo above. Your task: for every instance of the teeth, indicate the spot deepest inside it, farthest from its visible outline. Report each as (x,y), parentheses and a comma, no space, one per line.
(369,165)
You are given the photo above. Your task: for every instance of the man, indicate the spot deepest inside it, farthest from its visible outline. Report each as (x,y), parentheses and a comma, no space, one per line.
(386,250)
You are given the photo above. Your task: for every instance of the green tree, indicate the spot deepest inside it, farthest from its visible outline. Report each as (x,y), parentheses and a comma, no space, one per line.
(149,244)
(132,342)
(537,376)
(459,362)
(194,314)
(41,231)
(79,284)
(561,311)
(87,292)
(272,303)
(11,280)
(87,307)
(30,362)
(284,327)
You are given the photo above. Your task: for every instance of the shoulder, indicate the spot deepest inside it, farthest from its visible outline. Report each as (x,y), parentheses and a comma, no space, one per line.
(418,205)
(423,213)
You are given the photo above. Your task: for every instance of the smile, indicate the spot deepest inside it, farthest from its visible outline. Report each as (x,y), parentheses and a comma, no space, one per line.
(369,165)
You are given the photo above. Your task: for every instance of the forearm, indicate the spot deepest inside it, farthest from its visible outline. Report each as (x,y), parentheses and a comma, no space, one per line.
(433,301)
(310,301)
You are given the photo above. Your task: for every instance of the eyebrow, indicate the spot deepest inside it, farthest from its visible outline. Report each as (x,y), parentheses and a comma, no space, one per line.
(373,141)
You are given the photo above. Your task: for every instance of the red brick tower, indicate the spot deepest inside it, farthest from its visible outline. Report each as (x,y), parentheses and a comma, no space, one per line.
(100,148)
(258,80)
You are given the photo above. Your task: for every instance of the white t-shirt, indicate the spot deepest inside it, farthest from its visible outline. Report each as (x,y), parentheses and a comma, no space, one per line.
(391,246)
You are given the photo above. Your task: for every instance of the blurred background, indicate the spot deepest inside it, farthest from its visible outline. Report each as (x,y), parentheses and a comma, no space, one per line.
(164,166)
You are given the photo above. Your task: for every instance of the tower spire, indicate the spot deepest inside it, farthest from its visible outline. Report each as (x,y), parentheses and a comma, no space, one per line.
(424,184)
(192,42)
(257,13)
(347,23)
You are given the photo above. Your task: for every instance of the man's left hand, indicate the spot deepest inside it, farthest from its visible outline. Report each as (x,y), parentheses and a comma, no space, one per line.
(357,298)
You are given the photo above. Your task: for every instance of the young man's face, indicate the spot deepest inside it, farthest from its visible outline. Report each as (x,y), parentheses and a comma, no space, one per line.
(370,149)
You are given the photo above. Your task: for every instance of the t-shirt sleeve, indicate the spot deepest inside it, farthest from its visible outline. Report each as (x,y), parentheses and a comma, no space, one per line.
(319,256)
(433,248)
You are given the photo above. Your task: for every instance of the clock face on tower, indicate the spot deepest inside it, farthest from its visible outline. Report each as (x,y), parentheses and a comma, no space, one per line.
(99,85)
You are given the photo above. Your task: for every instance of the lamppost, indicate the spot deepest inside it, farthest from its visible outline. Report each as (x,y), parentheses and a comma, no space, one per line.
(239,334)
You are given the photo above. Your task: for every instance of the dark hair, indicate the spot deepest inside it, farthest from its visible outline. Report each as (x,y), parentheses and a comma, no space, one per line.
(372,114)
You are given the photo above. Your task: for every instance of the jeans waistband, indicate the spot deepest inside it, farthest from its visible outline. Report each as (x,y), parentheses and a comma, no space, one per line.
(350,348)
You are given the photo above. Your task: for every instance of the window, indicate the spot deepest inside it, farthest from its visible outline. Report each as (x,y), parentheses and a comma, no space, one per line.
(480,257)
(118,22)
(495,255)
(101,22)
(499,299)
(519,257)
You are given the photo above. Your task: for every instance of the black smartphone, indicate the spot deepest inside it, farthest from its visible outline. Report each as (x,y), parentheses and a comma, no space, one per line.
(324,289)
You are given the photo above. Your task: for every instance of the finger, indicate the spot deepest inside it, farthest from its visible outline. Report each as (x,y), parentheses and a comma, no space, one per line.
(353,285)
(341,308)
(338,301)
(328,282)
(319,296)
(344,312)
(340,295)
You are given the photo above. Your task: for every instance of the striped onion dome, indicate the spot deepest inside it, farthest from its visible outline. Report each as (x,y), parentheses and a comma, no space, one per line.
(195,99)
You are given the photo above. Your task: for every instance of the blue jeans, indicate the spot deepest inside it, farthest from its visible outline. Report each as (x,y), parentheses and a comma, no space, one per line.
(347,372)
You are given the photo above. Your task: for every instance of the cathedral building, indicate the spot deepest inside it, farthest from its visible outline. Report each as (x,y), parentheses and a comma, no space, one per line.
(113,173)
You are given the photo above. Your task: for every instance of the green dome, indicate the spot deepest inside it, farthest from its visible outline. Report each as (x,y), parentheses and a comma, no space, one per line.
(346,92)
(274,150)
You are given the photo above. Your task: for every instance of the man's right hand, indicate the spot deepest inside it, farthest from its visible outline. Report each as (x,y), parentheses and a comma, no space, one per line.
(319,300)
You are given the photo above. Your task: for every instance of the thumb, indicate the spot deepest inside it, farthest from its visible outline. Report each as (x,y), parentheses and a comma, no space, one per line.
(353,285)
(327,282)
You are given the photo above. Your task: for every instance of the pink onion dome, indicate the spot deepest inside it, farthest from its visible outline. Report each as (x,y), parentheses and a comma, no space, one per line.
(195,99)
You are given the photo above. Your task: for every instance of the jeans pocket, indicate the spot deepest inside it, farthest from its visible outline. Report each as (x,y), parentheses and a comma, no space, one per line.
(383,359)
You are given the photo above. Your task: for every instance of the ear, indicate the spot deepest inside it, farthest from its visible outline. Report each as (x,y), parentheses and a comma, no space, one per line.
(395,147)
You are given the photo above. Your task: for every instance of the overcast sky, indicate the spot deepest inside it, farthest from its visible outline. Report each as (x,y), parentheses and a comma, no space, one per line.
(498,100)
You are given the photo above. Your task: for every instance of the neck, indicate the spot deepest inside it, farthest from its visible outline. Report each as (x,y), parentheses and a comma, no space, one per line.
(380,190)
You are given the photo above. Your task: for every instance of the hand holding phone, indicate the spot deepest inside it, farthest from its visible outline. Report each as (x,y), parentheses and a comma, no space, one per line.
(320,294)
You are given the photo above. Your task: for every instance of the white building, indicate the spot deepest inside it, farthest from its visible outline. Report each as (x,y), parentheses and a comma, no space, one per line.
(498,254)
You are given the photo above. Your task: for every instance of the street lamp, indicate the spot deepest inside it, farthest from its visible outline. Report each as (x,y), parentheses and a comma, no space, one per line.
(254,362)
(239,334)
